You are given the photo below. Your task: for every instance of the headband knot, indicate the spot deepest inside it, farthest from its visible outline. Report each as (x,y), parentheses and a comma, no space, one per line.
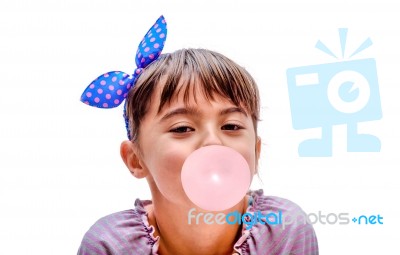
(109,90)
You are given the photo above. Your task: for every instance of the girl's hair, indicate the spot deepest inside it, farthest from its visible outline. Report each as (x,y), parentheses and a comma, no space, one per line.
(184,69)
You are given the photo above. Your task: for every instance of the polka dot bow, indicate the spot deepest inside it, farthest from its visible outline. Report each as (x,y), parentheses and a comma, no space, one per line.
(109,90)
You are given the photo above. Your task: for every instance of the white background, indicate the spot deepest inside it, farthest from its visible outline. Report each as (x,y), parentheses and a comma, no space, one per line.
(60,168)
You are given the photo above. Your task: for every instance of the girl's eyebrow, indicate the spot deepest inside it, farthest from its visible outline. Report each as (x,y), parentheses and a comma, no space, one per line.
(180,111)
(195,112)
(232,110)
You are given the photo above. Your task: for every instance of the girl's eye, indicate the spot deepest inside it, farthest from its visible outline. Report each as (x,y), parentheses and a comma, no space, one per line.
(182,129)
(231,127)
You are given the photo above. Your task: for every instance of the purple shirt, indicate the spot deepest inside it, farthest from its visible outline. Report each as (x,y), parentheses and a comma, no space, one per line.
(129,232)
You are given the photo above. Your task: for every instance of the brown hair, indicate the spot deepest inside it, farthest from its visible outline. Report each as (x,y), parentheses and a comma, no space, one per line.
(184,69)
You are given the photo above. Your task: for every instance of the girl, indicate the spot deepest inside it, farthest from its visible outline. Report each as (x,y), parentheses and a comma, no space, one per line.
(181,102)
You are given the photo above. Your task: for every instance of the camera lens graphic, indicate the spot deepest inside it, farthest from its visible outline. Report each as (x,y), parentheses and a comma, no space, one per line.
(348,91)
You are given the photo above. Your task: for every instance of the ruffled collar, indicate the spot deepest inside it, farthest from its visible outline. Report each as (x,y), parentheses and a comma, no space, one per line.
(256,202)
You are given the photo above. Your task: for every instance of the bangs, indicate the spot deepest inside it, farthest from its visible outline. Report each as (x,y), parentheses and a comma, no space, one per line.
(215,75)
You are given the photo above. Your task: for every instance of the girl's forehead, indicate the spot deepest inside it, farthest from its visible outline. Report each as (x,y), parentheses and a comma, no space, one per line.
(190,97)
(192,90)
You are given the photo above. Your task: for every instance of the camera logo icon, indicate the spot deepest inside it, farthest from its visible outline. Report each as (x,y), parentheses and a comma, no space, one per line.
(324,95)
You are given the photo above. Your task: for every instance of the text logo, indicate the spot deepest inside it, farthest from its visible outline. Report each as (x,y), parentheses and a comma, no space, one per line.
(249,219)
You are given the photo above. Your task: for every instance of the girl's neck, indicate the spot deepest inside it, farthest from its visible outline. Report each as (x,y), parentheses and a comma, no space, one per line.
(181,233)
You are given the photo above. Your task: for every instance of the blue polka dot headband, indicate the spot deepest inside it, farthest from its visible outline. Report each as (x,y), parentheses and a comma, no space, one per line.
(109,90)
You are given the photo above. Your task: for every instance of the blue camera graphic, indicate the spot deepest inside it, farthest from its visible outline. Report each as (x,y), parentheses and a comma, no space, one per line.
(324,95)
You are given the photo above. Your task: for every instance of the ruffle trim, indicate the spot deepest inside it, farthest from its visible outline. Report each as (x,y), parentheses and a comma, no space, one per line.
(257,202)
(154,242)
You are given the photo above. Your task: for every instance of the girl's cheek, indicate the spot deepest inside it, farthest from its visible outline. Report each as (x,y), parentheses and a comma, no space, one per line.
(249,156)
(172,158)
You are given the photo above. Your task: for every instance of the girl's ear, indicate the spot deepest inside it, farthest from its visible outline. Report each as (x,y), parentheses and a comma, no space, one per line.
(258,148)
(130,156)
(258,152)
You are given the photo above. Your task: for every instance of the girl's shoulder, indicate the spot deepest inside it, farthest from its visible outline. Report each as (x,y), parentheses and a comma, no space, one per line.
(278,226)
(263,203)
(120,233)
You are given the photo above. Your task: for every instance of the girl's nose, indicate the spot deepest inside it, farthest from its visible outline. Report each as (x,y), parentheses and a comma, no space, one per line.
(211,137)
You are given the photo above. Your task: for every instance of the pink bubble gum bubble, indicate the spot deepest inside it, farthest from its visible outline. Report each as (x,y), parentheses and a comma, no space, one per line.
(215,178)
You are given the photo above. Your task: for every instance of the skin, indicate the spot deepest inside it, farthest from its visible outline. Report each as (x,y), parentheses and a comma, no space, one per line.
(165,140)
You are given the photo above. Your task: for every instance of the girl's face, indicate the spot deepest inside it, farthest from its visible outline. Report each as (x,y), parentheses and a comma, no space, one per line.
(167,138)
